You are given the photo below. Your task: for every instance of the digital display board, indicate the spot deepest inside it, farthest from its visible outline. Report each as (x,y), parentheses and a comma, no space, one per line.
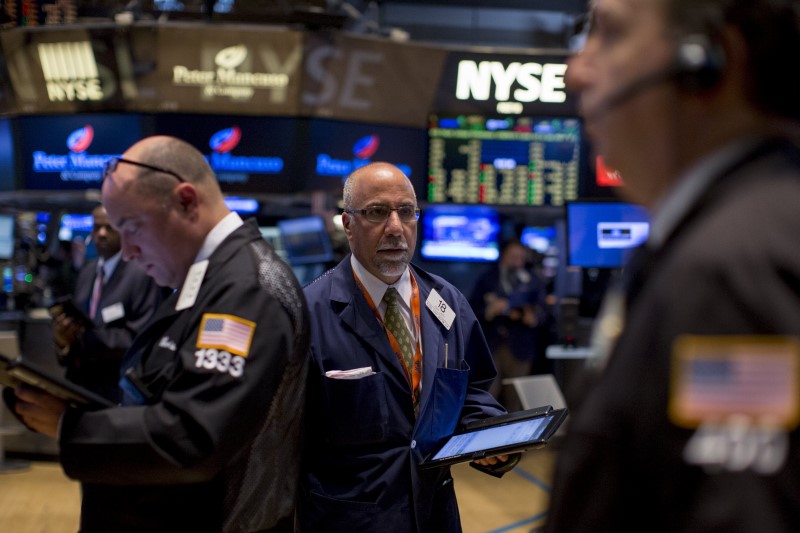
(337,148)
(507,160)
(68,152)
(248,154)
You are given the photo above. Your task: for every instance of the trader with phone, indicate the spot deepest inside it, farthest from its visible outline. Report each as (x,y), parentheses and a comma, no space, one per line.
(112,302)
(398,362)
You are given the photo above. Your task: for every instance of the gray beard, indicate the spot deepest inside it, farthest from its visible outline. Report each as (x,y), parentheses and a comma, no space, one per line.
(393,268)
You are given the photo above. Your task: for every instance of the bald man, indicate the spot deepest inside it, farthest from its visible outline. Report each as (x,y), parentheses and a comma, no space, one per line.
(366,436)
(207,437)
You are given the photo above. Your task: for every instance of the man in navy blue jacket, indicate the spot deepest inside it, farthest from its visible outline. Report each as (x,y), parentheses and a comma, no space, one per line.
(366,435)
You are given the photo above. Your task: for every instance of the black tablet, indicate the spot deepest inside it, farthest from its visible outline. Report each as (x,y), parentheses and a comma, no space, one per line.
(16,371)
(510,433)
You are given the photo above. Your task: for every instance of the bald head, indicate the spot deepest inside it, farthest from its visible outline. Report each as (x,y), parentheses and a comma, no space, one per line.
(164,199)
(176,156)
(379,173)
(383,247)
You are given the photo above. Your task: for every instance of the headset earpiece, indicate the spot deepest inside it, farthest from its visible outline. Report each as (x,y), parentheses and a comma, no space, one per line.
(699,63)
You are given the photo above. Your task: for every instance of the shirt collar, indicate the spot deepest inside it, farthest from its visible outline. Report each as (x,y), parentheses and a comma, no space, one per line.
(668,213)
(224,227)
(109,265)
(376,288)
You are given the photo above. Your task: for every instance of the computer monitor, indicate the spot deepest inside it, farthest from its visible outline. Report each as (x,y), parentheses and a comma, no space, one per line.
(539,238)
(460,233)
(6,236)
(78,226)
(602,234)
(305,240)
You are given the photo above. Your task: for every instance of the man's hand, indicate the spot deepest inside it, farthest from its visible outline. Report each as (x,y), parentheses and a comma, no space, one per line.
(489,461)
(39,410)
(66,331)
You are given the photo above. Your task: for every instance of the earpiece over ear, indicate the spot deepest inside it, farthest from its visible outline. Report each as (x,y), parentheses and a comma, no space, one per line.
(699,63)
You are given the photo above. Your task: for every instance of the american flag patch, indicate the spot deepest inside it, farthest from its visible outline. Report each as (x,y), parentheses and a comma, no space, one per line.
(226,332)
(714,378)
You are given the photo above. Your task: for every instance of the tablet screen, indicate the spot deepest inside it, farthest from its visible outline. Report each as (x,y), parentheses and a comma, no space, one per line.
(494,437)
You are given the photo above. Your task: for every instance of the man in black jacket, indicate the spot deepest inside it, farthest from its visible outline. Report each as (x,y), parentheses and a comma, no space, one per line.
(690,426)
(208,436)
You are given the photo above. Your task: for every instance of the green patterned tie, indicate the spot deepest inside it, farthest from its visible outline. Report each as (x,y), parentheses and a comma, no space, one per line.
(397,326)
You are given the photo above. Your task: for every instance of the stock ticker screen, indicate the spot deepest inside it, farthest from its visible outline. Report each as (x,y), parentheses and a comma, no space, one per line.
(503,160)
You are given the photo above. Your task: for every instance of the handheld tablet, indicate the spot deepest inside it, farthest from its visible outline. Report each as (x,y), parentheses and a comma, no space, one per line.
(510,433)
(14,370)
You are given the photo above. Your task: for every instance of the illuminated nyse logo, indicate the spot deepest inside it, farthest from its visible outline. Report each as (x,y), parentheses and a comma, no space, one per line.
(227,79)
(363,149)
(70,71)
(533,81)
(77,165)
(221,160)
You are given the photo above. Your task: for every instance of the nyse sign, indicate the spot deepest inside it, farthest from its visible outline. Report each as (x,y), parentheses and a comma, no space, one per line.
(530,82)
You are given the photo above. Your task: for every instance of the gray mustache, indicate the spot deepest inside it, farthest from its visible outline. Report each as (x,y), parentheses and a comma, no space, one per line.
(390,245)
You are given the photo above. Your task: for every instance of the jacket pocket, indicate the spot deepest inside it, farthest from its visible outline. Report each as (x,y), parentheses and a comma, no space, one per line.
(356,409)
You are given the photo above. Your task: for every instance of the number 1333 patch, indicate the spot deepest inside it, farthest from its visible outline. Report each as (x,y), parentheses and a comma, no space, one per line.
(224,343)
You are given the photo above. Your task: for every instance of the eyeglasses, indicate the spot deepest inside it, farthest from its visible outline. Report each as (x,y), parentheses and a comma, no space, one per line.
(583,26)
(379,213)
(111,165)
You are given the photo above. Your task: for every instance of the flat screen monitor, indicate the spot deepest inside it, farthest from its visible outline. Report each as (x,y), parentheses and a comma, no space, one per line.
(460,233)
(248,154)
(7,159)
(68,152)
(539,238)
(336,148)
(78,227)
(602,234)
(305,240)
(272,235)
(242,205)
(6,236)
(476,159)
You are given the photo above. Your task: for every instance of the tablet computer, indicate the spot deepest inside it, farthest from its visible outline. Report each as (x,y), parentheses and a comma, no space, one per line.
(499,435)
(15,370)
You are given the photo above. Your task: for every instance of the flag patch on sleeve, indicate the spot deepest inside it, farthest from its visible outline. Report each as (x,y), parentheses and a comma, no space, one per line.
(226,332)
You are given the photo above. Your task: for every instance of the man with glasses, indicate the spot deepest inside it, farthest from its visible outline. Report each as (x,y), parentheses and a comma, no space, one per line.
(398,362)
(208,434)
(119,299)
